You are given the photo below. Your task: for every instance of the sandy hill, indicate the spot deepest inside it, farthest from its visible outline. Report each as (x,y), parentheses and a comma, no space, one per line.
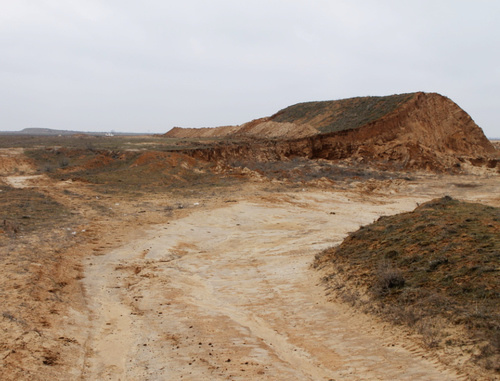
(312,118)
(418,129)
(306,119)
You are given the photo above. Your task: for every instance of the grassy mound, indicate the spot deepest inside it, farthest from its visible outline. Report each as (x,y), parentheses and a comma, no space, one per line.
(440,262)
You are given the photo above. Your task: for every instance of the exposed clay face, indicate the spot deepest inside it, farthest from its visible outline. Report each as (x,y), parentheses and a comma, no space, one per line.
(415,131)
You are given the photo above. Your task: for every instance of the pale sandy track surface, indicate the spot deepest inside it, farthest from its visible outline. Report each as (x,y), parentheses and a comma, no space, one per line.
(226,293)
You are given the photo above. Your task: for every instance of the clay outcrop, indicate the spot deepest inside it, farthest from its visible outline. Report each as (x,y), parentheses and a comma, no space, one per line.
(417,130)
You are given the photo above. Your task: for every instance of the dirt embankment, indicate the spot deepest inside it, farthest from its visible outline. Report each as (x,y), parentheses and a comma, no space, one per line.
(425,131)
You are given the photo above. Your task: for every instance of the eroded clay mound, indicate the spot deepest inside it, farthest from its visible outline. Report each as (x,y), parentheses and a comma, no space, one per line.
(418,130)
(428,131)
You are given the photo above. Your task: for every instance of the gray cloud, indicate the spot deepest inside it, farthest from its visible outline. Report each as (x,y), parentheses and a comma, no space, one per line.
(130,66)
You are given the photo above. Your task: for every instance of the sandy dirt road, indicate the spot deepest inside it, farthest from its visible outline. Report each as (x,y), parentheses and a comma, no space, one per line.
(227,293)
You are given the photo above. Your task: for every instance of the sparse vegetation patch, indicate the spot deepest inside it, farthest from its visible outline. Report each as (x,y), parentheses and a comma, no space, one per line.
(439,263)
(127,171)
(25,211)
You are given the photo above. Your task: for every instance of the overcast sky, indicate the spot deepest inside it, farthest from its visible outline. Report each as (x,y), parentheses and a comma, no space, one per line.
(146,66)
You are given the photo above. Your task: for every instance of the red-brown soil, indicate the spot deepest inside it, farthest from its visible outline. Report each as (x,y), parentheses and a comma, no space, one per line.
(414,131)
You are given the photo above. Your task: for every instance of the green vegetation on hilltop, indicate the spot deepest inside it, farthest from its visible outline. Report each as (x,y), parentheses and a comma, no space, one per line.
(439,262)
(340,115)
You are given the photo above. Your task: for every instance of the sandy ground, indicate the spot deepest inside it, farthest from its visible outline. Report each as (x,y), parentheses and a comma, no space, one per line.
(228,293)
